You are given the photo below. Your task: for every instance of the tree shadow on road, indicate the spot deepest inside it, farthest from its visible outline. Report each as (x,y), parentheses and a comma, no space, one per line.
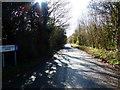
(60,72)
(92,69)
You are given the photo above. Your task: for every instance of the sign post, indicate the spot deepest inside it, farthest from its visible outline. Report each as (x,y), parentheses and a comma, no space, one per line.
(3,60)
(8,48)
(15,58)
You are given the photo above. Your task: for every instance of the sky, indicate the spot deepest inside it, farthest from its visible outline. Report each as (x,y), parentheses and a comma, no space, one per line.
(78,9)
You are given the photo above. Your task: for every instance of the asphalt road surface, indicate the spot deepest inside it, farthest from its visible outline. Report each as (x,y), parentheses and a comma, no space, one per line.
(69,68)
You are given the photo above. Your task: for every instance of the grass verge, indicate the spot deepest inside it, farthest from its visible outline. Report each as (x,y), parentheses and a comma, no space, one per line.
(106,56)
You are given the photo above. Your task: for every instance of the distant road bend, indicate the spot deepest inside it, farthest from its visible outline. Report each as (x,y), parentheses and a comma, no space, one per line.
(70,68)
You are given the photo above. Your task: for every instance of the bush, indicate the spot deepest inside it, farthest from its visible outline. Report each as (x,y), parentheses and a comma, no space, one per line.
(57,39)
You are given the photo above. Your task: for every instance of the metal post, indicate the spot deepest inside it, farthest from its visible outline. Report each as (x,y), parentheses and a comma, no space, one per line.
(3,60)
(15,58)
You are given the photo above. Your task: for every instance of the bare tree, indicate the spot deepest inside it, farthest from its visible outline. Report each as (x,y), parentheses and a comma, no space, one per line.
(58,12)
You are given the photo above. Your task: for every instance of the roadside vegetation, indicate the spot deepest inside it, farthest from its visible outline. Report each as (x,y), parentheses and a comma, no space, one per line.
(106,56)
(99,32)
(35,30)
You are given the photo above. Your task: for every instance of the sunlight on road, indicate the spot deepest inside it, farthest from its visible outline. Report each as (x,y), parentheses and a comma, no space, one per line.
(83,70)
(32,78)
(71,68)
(67,45)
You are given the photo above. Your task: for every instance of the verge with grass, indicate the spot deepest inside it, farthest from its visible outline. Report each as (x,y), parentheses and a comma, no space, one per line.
(106,56)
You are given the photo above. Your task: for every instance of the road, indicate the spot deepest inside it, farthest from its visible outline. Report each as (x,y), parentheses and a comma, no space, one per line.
(69,68)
